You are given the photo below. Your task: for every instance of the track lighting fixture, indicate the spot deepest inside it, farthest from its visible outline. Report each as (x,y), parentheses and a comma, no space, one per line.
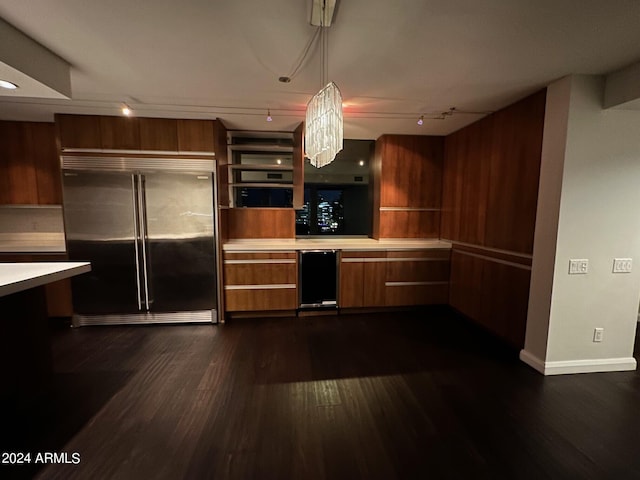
(126,110)
(421,120)
(269,118)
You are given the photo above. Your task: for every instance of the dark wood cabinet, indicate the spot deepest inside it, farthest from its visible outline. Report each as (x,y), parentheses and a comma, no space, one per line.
(196,136)
(260,281)
(158,134)
(89,132)
(407,186)
(260,223)
(493,293)
(79,131)
(417,277)
(29,164)
(120,133)
(362,277)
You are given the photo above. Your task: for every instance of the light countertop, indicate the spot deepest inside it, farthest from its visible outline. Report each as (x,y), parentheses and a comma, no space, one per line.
(331,244)
(16,277)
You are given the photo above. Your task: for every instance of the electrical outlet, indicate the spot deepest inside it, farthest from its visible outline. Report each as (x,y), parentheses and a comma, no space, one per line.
(622,265)
(578,266)
(597,334)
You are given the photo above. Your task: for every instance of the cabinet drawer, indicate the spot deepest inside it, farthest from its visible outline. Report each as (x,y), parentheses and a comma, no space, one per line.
(287,255)
(260,273)
(363,254)
(417,270)
(258,299)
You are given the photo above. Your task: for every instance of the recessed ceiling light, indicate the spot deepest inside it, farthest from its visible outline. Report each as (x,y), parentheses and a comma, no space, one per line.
(278,161)
(361,163)
(8,85)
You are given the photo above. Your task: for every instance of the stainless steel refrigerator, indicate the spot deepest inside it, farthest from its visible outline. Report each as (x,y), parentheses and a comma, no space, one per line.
(147,227)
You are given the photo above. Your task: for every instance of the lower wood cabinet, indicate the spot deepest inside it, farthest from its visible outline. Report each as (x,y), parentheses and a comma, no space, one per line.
(260,281)
(417,277)
(362,279)
(394,278)
(492,292)
(264,281)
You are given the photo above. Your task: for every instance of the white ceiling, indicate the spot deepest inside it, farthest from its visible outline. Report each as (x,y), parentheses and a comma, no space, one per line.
(393,60)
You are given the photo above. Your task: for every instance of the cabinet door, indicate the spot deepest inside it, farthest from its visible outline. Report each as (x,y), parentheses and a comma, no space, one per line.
(158,134)
(195,135)
(18,180)
(373,285)
(351,284)
(120,133)
(79,131)
(362,278)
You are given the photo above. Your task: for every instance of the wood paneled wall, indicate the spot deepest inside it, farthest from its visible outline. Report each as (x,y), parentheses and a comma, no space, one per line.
(407,186)
(29,165)
(260,223)
(490,182)
(489,199)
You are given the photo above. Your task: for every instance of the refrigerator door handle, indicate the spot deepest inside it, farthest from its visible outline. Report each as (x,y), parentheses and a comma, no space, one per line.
(136,235)
(142,207)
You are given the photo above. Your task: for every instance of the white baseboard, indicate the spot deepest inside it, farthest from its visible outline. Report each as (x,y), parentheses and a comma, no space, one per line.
(578,366)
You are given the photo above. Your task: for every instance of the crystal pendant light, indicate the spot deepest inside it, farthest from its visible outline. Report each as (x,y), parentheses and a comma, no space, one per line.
(324,126)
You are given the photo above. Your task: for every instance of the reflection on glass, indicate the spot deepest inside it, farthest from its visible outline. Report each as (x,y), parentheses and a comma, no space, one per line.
(264,197)
(330,211)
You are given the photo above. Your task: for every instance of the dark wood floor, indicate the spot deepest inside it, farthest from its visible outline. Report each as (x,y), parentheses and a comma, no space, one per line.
(409,396)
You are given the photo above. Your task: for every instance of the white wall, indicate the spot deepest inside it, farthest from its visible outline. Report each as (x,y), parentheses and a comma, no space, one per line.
(598,211)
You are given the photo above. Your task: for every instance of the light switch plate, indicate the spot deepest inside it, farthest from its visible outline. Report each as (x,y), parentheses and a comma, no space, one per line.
(622,265)
(578,266)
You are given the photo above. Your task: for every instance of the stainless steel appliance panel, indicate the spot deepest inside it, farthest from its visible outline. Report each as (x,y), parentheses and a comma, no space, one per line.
(178,240)
(100,211)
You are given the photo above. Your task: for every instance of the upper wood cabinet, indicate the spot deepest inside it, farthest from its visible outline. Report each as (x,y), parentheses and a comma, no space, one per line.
(158,134)
(29,165)
(411,170)
(78,131)
(407,186)
(120,133)
(133,133)
(196,136)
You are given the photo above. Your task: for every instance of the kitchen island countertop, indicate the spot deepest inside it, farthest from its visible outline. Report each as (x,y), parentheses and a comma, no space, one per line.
(16,277)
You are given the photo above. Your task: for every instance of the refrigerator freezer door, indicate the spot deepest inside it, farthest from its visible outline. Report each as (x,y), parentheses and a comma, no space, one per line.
(99,211)
(179,241)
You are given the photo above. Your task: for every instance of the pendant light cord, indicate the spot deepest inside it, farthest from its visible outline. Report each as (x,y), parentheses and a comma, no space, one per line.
(305,52)
(324,47)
